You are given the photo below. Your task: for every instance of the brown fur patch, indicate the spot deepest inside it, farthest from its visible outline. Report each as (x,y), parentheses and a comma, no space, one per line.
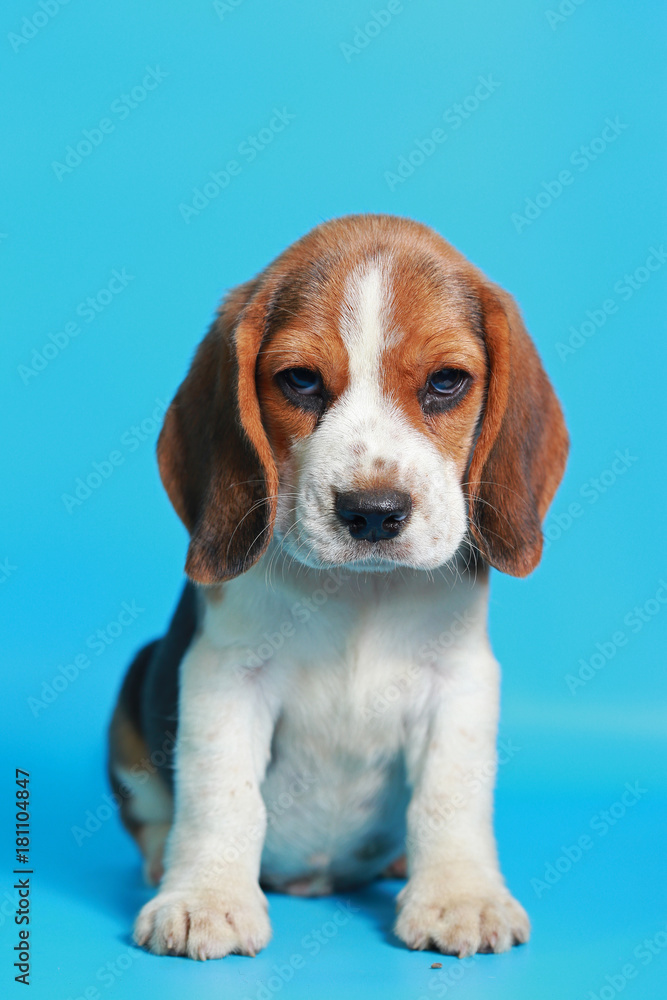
(523,444)
(215,461)
(431,314)
(128,746)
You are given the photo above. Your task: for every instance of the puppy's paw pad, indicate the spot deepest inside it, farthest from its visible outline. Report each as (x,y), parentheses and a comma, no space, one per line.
(462,925)
(202,925)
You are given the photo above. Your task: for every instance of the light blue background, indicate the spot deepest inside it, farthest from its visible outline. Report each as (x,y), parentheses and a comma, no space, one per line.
(67,574)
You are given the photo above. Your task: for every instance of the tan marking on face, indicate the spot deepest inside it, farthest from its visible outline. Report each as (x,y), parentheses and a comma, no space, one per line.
(317,350)
(439,333)
(303,331)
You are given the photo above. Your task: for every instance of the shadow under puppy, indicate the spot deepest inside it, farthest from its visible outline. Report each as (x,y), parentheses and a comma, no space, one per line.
(365,429)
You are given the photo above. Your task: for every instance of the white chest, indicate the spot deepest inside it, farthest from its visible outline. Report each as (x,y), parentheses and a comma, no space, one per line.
(335,789)
(346,678)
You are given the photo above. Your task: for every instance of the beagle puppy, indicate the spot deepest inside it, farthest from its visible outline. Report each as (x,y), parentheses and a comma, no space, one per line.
(364,431)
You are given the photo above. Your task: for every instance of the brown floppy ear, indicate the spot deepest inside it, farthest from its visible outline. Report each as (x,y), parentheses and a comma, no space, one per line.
(522,446)
(215,461)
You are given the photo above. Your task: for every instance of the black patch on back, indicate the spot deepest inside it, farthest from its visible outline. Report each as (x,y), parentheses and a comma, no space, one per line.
(158,696)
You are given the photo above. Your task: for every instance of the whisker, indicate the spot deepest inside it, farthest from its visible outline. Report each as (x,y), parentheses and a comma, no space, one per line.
(500,486)
(265,528)
(500,514)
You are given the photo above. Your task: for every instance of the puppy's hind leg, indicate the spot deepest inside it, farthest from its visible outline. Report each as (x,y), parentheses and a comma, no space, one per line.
(145,801)
(146,811)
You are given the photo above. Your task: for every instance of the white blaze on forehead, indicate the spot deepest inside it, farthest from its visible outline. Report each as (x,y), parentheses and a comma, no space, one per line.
(366,322)
(332,460)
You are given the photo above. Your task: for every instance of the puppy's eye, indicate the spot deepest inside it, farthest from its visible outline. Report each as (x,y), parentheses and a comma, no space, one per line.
(302,381)
(444,389)
(447,381)
(303,388)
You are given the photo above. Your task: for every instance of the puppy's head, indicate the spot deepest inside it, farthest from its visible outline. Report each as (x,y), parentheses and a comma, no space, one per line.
(372,400)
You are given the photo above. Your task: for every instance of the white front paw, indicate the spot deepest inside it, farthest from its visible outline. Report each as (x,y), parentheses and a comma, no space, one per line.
(459,923)
(202,923)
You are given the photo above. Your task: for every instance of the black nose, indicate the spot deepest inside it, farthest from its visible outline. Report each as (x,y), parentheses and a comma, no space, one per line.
(373,514)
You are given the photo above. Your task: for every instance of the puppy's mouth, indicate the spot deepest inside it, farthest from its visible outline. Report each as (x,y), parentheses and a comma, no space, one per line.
(363,547)
(358,558)
(372,561)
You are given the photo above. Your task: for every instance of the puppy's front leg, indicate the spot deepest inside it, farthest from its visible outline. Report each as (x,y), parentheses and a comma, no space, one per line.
(456,900)
(210,903)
